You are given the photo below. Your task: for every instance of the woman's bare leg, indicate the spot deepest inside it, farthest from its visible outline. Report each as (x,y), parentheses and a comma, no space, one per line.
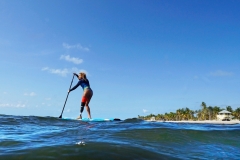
(88,111)
(88,94)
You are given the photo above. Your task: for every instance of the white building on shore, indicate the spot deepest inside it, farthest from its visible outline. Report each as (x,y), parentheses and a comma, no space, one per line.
(224,116)
(152,119)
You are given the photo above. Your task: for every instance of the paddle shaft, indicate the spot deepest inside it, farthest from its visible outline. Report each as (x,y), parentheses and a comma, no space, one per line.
(66,98)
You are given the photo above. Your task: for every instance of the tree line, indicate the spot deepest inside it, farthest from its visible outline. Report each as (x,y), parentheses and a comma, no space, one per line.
(205,113)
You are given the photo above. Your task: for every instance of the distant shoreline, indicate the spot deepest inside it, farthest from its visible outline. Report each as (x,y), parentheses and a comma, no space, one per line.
(200,122)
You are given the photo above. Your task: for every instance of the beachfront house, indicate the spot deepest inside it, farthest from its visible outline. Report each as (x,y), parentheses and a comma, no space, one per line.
(152,119)
(224,116)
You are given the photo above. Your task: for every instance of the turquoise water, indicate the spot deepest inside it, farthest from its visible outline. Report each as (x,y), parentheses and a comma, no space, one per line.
(32,137)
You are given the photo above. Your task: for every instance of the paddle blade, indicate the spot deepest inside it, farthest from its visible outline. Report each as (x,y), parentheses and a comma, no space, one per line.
(60,116)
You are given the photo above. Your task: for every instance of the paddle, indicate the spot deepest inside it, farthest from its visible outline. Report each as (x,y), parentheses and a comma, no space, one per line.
(66,97)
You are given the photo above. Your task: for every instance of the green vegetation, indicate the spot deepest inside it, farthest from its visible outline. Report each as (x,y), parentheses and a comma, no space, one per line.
(205,113)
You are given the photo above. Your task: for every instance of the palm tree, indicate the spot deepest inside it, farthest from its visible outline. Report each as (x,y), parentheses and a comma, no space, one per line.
(188,113)
(216,110)
(171,116)
(166,116)
(229,108)
(191,112)
(178,114)
(236,113)
(159,117)
(204,110)
(140,117)
(182,114)
(198,114)
(210,112)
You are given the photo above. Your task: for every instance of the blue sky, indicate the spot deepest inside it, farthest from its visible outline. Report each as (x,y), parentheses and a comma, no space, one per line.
(140,56)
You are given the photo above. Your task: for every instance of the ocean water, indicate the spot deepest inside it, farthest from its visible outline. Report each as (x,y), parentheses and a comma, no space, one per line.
(32,137)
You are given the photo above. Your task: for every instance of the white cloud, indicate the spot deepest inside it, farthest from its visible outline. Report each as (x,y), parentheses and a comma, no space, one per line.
(20,105)
(30,94)
(5,105)
(71,59)
(61,72)
(64,72)
(11,105)
(77,46)
(145,111)
(221,73)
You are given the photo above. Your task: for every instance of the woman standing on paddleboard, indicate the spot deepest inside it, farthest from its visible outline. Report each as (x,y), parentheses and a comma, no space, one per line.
(87,93)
